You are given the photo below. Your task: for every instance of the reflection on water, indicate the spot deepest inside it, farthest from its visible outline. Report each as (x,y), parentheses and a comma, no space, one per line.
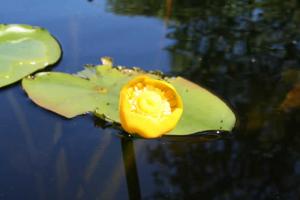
(245,51)
(249,54)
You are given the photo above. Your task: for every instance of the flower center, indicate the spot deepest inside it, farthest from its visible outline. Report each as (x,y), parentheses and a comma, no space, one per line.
(150,101)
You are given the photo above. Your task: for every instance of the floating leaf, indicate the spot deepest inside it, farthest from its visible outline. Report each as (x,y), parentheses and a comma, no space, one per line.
(23,50)
(202,110)
(96,89)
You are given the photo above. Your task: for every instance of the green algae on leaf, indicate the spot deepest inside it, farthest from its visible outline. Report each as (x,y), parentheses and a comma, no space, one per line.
(96,89)
(23,50)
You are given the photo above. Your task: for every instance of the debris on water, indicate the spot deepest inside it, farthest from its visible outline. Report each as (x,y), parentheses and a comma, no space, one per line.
(292,99)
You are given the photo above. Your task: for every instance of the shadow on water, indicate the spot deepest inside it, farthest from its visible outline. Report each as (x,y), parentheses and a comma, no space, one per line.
(131,173)
(129,157)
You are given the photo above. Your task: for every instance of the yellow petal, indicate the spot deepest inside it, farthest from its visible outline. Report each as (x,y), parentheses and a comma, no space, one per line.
(149,107)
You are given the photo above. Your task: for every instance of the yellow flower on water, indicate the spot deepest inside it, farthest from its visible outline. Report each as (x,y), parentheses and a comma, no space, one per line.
(149,107)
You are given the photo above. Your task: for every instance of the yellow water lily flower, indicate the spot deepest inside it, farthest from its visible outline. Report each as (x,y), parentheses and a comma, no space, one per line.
(149,107)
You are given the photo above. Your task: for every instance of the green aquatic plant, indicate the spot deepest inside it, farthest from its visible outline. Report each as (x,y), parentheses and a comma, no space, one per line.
(25,49)
(97,88)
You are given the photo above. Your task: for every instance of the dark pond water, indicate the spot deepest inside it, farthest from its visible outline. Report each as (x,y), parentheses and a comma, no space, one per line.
(247,52)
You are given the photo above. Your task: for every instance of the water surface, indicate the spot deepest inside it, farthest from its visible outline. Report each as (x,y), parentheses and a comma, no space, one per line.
(247,52)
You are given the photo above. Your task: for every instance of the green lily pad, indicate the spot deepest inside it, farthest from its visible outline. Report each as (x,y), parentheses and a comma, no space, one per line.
(96,89)
(202,110)
(25,49)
